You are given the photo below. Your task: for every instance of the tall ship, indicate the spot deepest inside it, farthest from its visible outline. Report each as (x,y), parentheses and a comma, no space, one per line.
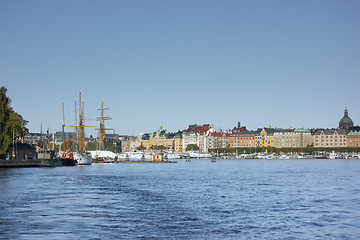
(100,148)
(79,157)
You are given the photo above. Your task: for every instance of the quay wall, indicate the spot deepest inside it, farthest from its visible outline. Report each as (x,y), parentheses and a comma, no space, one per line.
(14,163)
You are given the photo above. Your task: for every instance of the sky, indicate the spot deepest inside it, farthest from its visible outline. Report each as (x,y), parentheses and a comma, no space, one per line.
(175,63)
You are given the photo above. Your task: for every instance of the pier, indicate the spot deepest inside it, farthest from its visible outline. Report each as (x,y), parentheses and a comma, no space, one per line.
(132,161)
(20,163)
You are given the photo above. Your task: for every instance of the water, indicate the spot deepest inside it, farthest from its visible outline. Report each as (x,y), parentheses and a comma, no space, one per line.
(229,199)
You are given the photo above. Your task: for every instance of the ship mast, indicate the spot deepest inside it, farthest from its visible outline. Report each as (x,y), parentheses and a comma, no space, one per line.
(63,127)
(102,128)
(76,128)
(81,125)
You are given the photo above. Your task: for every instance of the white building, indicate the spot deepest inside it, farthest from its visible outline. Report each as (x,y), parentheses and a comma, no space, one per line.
(197,134)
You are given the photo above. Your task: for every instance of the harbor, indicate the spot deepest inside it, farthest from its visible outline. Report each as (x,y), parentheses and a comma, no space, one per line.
(71,148)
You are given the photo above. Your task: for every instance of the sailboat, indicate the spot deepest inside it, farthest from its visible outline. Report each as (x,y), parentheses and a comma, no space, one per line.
(81,157)
(100,153)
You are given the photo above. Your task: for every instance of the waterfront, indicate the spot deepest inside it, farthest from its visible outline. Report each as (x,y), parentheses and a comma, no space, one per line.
(229,199)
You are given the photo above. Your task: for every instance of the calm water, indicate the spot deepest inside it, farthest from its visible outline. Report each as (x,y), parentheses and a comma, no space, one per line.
(229,199)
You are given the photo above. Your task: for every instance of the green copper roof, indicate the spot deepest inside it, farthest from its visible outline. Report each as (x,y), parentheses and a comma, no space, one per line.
(352,133)
(302,130)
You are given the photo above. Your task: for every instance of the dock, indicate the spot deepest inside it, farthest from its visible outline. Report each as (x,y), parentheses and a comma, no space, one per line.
(132,161)
(21,163)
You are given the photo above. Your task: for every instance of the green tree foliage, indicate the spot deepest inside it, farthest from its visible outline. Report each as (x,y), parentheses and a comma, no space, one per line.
(192,147)
(11,123)
(141,148)
(5,125)
(158,147)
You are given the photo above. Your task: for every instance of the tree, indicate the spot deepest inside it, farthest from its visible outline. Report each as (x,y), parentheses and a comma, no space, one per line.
(192,147)
(5,126)
(11,123)
(141,148)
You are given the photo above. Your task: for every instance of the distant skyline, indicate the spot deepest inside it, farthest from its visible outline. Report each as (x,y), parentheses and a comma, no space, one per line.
(176,63)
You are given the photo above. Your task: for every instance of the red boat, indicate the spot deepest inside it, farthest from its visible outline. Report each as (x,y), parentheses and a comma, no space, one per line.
(67,156)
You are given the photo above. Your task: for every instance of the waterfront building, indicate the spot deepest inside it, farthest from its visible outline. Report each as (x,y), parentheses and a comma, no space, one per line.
(238,128)
(23,151)
(296,138)
(346,122)
(264,137)
(330,138)
(218,140)
(353,139)
(162,138)
(178,143)
(242,139)
(111,138)
(130,143)
(127,142)
(35,138)
(197,134)
(68,135)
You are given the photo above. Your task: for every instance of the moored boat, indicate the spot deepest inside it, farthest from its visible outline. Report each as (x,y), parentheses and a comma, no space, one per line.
(67,157)
(194,154)
(82,159)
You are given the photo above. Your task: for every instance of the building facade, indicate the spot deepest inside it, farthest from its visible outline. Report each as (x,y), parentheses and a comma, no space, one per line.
(296,138)
(197,134)
(161,138)
(178,143)
(218,140)
(330,138)
(242,139)
(264,138)
(353,139)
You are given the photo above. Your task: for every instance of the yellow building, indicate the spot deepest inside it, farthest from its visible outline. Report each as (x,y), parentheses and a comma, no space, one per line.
(264,138)
(162,139)
(178,143)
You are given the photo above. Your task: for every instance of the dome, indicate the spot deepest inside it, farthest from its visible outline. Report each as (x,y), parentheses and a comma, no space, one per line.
(346,121)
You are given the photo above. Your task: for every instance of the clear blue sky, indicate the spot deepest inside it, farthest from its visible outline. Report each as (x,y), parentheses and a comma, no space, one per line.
(175,63)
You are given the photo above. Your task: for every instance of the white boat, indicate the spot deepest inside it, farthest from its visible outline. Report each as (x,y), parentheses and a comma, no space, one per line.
(103,155)
(333,155)
(82,159)
(284,156)
(353,156)
(199,155)
(134,155)
(173,155)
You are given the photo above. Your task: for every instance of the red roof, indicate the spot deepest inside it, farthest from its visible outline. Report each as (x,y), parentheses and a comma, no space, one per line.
(241,129)
(202,129)
(219,134)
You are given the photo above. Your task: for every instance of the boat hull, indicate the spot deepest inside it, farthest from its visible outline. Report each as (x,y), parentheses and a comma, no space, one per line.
(82,159)
(68,162)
